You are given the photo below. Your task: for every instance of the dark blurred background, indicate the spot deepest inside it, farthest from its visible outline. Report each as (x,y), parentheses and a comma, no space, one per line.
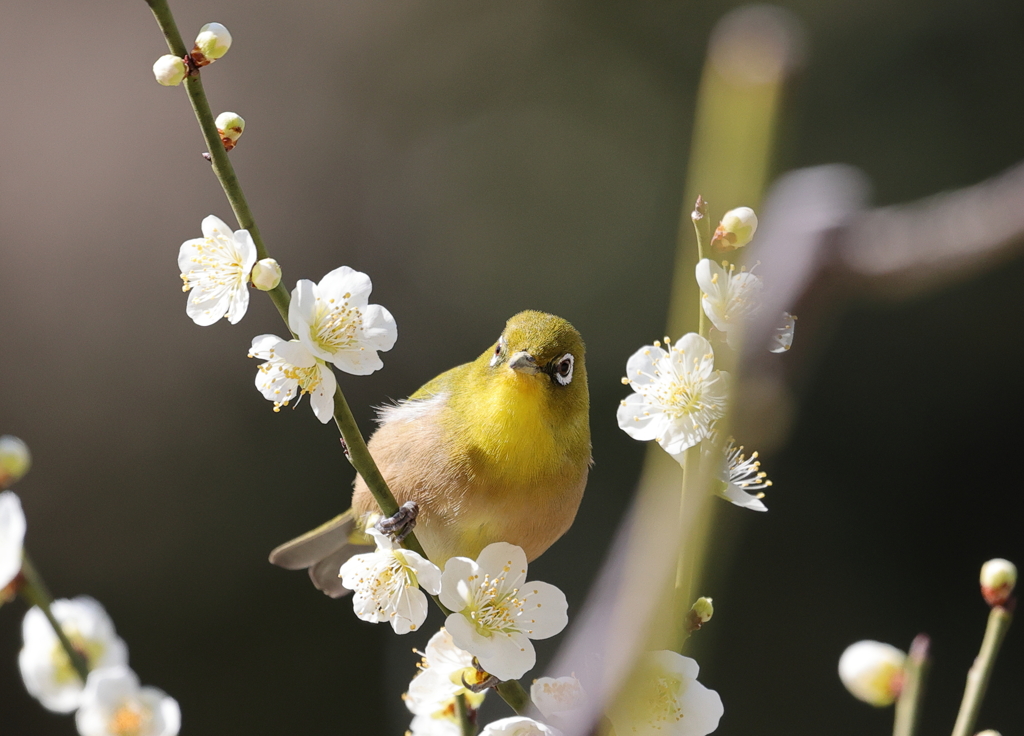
(477,159)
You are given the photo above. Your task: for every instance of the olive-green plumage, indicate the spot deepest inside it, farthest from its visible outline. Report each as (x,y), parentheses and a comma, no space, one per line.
(493,450)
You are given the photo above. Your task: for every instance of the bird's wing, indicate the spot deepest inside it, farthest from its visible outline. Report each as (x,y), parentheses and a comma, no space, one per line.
(439,384)
(315,545)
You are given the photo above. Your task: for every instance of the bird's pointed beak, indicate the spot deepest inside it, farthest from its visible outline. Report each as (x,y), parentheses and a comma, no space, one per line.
(523,362)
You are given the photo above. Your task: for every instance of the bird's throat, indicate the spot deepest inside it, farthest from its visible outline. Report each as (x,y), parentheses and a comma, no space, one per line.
(513,433)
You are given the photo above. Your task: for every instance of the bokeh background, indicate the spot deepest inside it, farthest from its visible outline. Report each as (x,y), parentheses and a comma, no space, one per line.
(477,159)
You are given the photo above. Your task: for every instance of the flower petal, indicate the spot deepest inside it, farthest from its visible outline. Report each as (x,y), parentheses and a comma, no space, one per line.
(545,610)
(379,329)
(643,364)
(736,495)
(410,610)
(504,562)
(428,574)
(453,595)
(302,313)
(511,656)
(636,419)
(322,400)
(216,228)
(346,284)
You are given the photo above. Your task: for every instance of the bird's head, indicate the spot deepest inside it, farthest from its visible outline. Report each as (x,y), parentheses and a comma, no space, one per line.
(541,352)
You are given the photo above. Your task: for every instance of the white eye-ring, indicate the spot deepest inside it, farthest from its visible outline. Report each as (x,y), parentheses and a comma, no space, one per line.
(563,371)
(499,350)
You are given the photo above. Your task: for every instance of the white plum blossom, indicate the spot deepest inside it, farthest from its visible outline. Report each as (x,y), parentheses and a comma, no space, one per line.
(496,612)
(113,704)
(519,726)
(386,584)
(292,370)
(729,297)
(215,268)
(679,395)
(782,340)
(873,671)
(664,699)
(442,671)
(739,474)
(558,698)
(12,537)
(46,668)
(335,322)
(432,692)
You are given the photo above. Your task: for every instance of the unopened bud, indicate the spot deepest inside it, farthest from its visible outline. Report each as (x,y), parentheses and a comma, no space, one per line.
(698,615)
(230,126)
(169,70)
(703,609)
(872,672)
(266,274)
(213,42)
(15,460)
(735,230)
(998,578)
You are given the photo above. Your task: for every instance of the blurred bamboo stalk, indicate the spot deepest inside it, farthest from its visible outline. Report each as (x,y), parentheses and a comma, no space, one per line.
(750,54)
(635,605)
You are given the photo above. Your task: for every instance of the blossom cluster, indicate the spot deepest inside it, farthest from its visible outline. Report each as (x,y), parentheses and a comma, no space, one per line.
(332,321)
(495,614)
(111,701)
(679,397)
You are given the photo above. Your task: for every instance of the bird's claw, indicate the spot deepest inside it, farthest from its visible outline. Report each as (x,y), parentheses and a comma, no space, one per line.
(478,686)
(404,521)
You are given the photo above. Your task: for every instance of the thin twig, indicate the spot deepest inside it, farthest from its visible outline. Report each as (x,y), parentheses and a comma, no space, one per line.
(908,707)
(462,710)
(35,593)
(977,678)
(512,692)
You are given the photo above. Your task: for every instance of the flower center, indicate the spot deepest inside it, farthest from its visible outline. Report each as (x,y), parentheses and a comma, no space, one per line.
(492,610)
(218,267)
(663,699)
(308,378)
(678,398)
(128,720)
(336,326)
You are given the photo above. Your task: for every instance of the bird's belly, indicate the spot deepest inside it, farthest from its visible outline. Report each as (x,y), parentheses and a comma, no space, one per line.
(488,514)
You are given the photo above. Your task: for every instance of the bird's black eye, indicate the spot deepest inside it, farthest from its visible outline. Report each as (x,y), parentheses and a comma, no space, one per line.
(563,369)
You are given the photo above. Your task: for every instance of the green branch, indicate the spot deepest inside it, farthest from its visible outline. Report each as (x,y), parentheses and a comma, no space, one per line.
(465,721)
(977,678)
(512,692)
(908,706)
(702,228)
(358,453)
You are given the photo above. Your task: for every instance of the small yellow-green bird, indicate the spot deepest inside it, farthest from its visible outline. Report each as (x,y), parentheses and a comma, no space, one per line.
(496,450)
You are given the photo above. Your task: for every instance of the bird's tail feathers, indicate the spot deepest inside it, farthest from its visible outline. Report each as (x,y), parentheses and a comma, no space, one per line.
(323,551)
